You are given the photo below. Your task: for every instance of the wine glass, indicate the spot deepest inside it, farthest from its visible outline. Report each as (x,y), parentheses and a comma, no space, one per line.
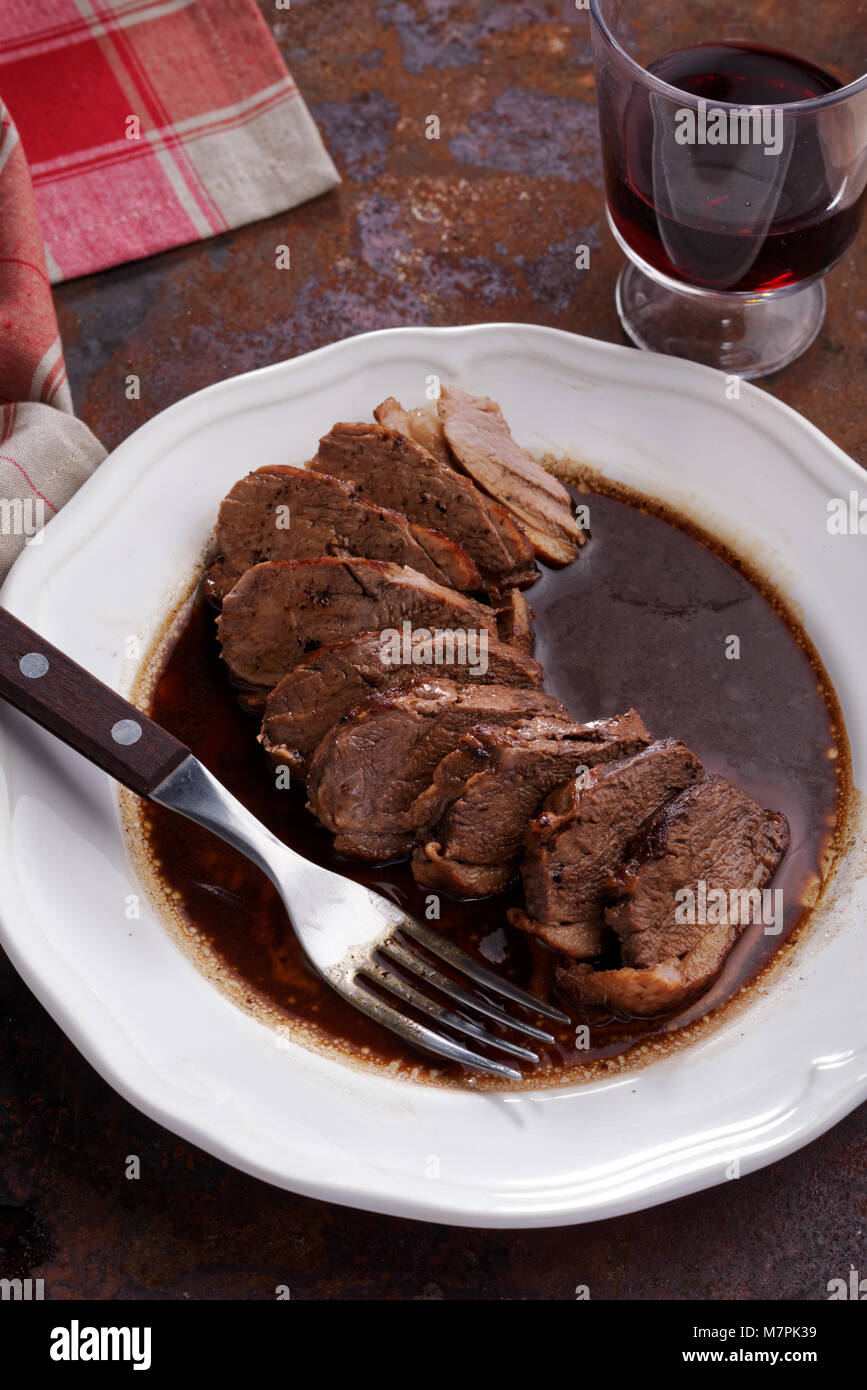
(734,143)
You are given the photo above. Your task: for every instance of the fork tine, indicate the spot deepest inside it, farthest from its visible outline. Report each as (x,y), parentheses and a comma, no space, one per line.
(416,1033)
(394,951)
(404,990)
(447,951)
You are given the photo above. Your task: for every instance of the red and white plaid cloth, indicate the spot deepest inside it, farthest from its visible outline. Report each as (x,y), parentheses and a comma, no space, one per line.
(145,124)
(151,123)
(45,453)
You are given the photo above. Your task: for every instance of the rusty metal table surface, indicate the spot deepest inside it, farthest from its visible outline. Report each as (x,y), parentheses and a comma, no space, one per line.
(478,225)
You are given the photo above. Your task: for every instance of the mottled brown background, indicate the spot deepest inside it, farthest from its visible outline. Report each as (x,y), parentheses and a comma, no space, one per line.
(478,226)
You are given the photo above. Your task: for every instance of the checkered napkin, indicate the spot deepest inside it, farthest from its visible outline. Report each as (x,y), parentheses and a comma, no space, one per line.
(45,453)
(151,123)
(126,127)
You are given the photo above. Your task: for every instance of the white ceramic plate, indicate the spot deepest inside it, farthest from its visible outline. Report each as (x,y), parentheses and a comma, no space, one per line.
(771,1076)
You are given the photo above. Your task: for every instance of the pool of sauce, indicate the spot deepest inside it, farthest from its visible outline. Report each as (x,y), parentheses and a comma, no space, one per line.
(644,617)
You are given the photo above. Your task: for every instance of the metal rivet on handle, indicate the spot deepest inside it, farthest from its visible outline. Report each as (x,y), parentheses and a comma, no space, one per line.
(126,731)
(33,665)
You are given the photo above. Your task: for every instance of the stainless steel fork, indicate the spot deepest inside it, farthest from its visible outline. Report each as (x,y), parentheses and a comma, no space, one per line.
(374,954)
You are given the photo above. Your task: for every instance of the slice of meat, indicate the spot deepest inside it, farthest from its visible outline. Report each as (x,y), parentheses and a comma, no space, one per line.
(519,546)
(482,443)
(394,470)
(457,566)
(367,772)
(515,620)
(426,429)
(431,870)
(332,681)
(282,610)
(486,790)
(282,513)
(711,834)
(578,841)
(659,990)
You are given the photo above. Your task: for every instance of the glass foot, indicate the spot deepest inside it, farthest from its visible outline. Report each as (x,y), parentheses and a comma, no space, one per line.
(741,336)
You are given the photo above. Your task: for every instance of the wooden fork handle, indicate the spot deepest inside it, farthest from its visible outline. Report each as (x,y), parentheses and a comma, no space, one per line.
(68,701)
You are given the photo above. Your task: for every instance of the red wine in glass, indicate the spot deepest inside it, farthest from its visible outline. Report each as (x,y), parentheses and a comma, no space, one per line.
(723,244)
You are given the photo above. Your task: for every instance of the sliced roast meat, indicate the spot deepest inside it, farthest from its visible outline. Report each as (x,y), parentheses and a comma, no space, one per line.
(393,469)
(427,430)
(455,564)
(282,513)
(334,680)
(518,544)
(418,424)
(367,772)
(711,834)
(515,620)
(658,990)
(486,790)
(462,880)
(482,444)
(578,842)
(282,610)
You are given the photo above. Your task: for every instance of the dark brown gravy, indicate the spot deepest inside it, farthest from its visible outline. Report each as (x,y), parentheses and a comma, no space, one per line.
(642,618)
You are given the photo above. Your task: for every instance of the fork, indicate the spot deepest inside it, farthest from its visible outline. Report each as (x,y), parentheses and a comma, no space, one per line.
(354,937)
